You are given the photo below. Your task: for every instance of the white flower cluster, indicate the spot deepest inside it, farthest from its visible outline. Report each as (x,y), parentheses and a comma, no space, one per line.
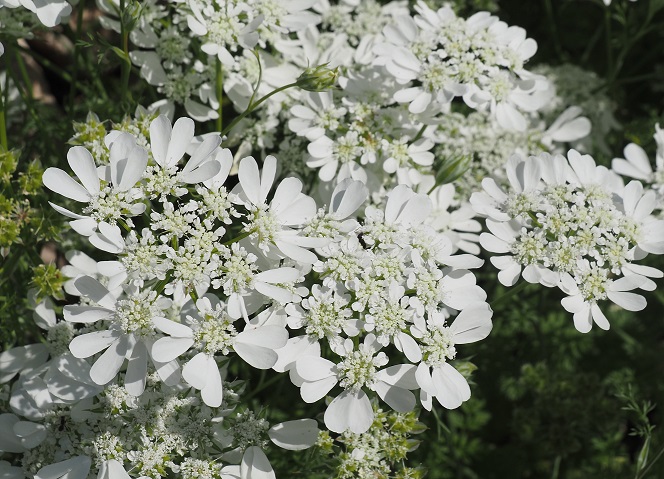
(359,134)
(438,56)
(151,308)
(482,138)
(378,452)
(569,223)
(368,131)
(208,273)
(165,431)
(573,86)
(180,57)
(393,283)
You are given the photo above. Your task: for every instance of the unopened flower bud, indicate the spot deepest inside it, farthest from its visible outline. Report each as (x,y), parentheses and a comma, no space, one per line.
(319,78)
(453,168)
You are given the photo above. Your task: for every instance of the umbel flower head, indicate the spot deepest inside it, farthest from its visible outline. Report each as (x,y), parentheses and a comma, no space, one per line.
(569,223)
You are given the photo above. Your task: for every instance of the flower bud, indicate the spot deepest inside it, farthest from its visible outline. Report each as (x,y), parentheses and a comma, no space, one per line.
(453,168)
(319,78)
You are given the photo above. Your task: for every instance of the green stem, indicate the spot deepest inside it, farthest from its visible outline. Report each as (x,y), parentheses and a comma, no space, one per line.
(46,63)
(510,292)
(220,94)
(123,224)
(126,65)
(556,468)
(554,29)
(419,133)
(77,50)
(253,106)
(24,90)
(3,122)
(193,295)
(24,73)
(237,238)
(655,459)
(264,386)
(260,75)
(161,284)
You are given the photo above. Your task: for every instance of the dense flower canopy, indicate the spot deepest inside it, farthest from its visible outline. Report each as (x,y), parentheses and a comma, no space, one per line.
(296,229)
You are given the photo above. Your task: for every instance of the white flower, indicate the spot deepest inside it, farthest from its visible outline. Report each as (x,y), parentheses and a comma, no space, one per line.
(224,26)
(358,369)
(274,226)
(109,202)
(458,224)
(435,376)
(131,332)
(572,224)
(590,286)
(210,330)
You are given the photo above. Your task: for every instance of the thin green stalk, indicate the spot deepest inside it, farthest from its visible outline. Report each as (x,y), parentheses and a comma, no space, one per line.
(556,468)
(25,96)
(237,238)
(24,73)
(643,472)
(420,133)
(609,50)
(264,386)
(510,292)
(553,26)
(252,107)
(260,76)
(46,63)
(3,122)
(126,64)
(220,94)
(77,52)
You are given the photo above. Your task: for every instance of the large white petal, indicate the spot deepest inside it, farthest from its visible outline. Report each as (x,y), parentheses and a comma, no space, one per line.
(109,363)
(168,348)
(112,469)
(255,465)
(213,393)
(294,435)
(195,371)
(401,400)
(86,314)
(349,410)
(94,290)
(61,183)
(137,370)
(83,165)
(315,390)
(89,344)
(160,136)
(472,324)
(74,468)
(447,384)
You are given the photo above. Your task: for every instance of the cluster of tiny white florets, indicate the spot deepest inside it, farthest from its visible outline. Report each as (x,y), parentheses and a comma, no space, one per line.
(249,430)
(159,434)
(579,229)
(377,452)
(448,56)
(214,332)
(355,134)
(486,142)
(583,88)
